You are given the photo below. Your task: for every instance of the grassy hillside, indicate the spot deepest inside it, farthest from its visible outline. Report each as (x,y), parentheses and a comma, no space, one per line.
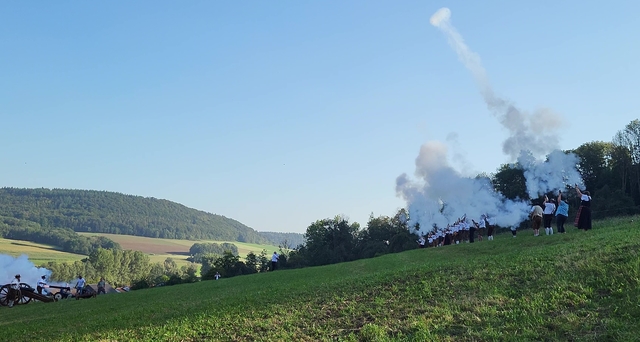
(580,286)
(38,253)
(110,212)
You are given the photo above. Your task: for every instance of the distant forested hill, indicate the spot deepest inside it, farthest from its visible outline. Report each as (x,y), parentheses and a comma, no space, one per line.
(292,240)
(115,213)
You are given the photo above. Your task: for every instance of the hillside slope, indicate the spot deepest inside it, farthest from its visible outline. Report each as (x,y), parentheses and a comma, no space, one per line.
(580,286)
(115,213)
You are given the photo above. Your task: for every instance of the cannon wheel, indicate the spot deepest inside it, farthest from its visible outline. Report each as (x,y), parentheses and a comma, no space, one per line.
(4,294)
(24,299)
(4,291)
(57,296)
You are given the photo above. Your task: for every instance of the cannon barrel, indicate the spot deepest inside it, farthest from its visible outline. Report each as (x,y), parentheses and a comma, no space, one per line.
(59,287)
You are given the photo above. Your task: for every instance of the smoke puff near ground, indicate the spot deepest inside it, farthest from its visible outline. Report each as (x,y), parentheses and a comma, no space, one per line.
(442,195)
(30,274)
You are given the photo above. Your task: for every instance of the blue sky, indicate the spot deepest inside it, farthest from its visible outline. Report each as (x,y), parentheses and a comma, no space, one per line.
(280,113)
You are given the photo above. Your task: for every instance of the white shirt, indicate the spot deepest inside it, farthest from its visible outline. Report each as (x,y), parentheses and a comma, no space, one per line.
(80,283)
(585,198)
(15,283)
(549,208)
(274,258)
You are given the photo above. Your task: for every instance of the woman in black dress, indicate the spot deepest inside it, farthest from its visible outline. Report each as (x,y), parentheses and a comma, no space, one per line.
(583,218)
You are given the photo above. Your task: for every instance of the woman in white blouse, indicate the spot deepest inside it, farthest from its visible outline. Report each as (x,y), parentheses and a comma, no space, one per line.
(583,218)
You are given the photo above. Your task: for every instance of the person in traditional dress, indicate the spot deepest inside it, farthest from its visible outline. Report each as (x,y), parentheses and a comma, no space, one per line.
(549,210)
(472,230)
(482,225)
(536,218)
(583,218)
(421,241)
(447,237)
(14,290)
(489,226)
(562,213)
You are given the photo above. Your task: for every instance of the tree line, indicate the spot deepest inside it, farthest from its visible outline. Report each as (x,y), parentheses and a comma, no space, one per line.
(204,249)
(65,239)
(121,268)
(115,213)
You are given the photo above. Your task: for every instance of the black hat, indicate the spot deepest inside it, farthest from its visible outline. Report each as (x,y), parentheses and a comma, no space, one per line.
(17,276)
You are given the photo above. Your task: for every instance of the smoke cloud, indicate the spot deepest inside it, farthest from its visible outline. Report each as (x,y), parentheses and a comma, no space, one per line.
(537,132)
(30,274)
(441,194)
(554,173)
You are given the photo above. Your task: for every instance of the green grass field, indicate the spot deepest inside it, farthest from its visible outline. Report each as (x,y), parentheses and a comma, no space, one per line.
(580,286)
(38,253)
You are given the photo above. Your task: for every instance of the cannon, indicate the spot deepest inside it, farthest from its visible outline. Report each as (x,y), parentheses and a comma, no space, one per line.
(87,292)
(24,295)
(63,293)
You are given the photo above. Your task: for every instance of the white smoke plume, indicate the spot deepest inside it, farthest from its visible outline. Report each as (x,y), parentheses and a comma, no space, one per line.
(442,195)
(29,273)
(535,132)
(555,173)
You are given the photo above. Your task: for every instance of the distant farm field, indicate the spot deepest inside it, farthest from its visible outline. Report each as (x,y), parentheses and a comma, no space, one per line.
(177,249)
(157,249)
(38,253)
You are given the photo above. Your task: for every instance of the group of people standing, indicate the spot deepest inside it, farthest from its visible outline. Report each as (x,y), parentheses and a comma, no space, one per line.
(560,209)
(463,230)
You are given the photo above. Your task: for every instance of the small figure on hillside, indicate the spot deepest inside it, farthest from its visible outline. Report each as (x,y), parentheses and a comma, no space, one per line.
(562,213)
(549,210)
(536,218)
(42,285)
(274,261)
(583,218)
(490,227)
(217,276)
(14,290)
(473,227)
(421,241)
(101,286)
(80,286)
